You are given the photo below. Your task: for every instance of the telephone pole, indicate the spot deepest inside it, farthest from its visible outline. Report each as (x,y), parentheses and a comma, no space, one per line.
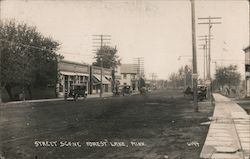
(0,61)
(210,24)
(100,41)
(205,48)
(195,75)
(139,66)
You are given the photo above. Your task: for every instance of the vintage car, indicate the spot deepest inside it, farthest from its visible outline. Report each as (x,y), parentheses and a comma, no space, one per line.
(126,90)
(77,90)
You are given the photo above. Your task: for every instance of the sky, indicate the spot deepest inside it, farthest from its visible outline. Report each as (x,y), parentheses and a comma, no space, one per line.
(157,30)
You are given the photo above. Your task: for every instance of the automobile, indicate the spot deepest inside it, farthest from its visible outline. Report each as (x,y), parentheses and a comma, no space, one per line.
(143,90)
(77,90)
(188,91)
(126,90)
(118,90)
(201,92)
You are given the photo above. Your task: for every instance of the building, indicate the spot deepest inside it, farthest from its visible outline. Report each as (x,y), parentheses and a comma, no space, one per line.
(247,70)
(129,76)
(70,74)
(106,79)
(73,73)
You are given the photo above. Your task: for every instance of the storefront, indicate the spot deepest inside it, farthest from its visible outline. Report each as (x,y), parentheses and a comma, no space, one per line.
(70,74)
(106,79)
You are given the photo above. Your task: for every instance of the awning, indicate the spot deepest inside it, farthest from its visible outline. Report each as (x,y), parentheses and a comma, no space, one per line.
(104,80)
(73,73)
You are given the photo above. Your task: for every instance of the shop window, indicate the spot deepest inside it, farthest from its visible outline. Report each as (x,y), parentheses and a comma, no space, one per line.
(60,87)
(81,79)
(106,87)
(124,76)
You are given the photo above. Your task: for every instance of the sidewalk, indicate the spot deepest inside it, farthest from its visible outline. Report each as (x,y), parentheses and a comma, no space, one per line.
(229,133)
(90,96)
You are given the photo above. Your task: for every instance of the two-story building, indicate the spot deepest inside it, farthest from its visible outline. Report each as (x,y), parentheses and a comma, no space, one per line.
(247,70)
(129,76)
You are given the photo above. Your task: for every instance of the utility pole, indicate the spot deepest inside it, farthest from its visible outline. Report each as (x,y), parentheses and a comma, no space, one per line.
(205,48)
(195,75)
(0,61)
(210,24)
(101,40)
(139,66)
(101,86)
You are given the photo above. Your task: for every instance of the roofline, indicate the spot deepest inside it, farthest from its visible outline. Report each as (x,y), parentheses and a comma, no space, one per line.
(73,62)
(128,73)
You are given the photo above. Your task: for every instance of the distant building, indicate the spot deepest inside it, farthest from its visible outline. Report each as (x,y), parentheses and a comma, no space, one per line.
(247,70)
(106,79)
(129,76)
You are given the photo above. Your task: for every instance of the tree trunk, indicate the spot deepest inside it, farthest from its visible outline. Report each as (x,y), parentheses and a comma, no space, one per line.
(29,91)
(56,91)
(8,89)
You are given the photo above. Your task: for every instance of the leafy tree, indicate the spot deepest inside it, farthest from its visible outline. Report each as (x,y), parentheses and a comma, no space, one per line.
(28,58)
(227,76)
(109,56)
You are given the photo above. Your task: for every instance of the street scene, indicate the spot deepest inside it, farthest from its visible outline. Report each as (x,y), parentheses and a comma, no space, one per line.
(127,79)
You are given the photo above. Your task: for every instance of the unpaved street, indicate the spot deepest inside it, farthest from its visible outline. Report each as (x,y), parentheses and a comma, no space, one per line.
(158,125)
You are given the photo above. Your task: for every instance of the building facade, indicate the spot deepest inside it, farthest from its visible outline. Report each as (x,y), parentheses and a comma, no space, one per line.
(129,76)
(70,74)
(106,79)
(247,70)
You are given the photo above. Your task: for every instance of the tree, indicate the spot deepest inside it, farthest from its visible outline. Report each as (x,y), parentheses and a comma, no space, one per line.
(227,76)
(182,78)
(188,75)
(109,56)
(28,58)
(173,80)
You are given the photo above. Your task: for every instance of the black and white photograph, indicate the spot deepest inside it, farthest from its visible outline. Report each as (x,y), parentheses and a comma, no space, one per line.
(124,79)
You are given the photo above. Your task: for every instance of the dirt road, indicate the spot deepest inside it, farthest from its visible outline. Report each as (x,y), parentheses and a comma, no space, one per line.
(155,126)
